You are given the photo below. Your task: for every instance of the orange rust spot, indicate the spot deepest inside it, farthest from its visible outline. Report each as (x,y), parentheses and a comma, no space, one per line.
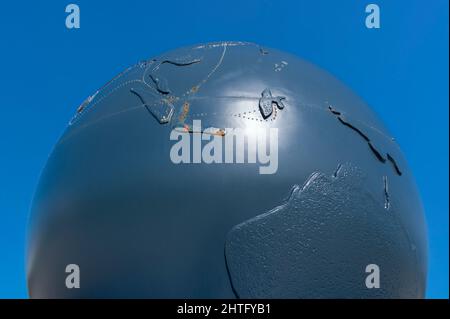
(220,132)
(194,89)
(185,111)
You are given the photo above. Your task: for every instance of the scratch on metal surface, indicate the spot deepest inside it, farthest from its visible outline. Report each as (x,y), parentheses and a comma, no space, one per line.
(214,68)
(386,192)
(186,128)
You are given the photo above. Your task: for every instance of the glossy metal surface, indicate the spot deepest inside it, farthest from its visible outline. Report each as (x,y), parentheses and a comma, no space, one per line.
(111,200)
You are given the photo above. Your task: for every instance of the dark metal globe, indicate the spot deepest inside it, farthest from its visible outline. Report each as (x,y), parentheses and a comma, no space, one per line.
(338,197)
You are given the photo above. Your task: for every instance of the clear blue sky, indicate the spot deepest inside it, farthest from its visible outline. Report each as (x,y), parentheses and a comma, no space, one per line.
(401,70)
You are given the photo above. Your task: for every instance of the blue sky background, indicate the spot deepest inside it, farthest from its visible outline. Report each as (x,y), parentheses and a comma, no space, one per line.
(46,71)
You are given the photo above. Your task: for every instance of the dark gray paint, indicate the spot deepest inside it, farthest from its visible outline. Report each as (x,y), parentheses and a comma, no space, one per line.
(111,201)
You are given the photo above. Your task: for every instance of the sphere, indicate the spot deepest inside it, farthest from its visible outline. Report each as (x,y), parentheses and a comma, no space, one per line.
(226,170)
